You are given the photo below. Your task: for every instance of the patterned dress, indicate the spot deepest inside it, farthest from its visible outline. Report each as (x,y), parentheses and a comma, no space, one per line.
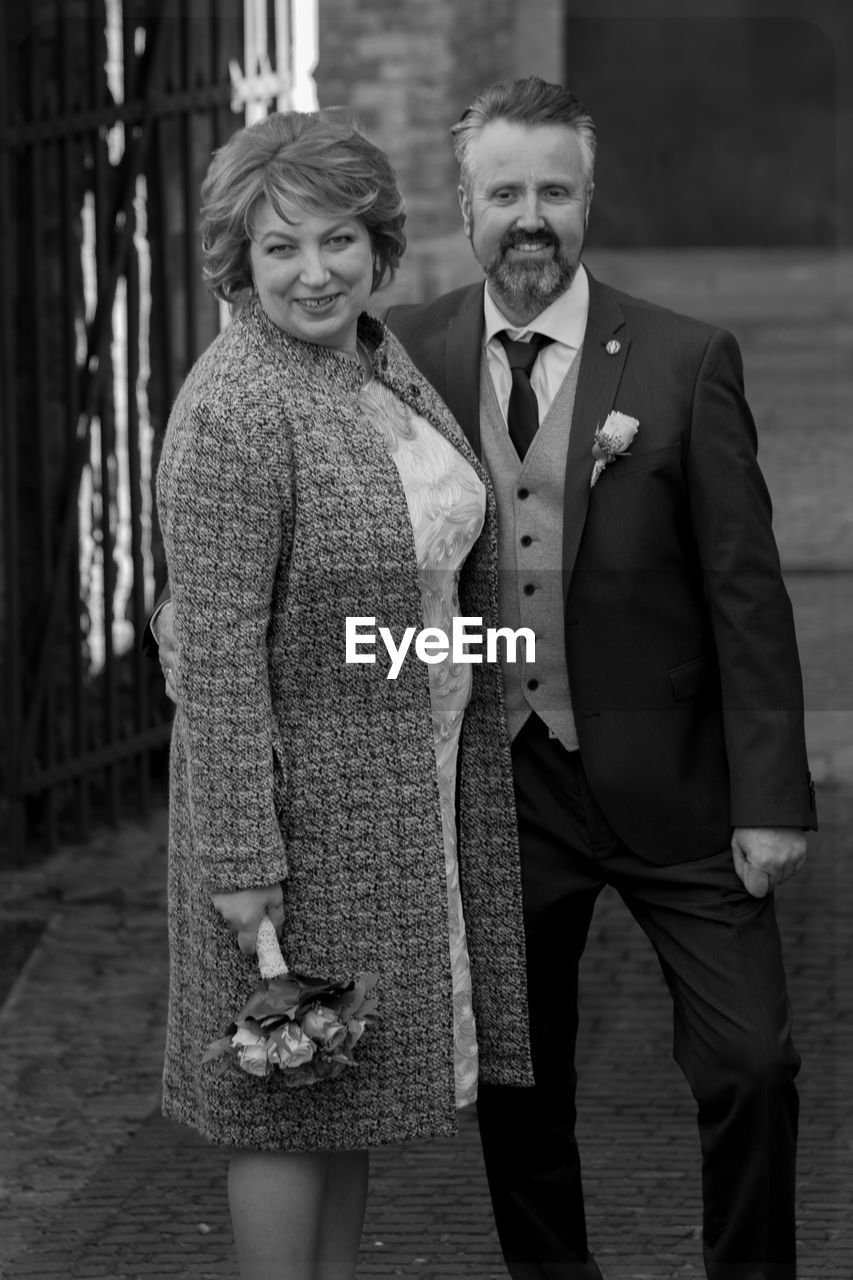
(446,502)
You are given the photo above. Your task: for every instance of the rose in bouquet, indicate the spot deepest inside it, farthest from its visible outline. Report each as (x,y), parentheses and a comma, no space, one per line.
(302,1029)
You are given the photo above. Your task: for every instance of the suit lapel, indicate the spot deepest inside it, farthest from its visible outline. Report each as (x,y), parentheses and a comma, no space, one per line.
(463,349)
(598,381)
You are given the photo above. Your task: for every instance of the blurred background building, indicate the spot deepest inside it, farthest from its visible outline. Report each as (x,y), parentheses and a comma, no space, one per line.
(725,125)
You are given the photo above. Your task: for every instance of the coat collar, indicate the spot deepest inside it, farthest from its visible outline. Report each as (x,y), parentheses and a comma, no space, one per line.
(463,351)
(311,359)
(391,365)
(598,382)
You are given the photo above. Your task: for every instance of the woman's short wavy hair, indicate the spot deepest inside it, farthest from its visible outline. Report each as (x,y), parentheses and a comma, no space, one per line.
(319,160)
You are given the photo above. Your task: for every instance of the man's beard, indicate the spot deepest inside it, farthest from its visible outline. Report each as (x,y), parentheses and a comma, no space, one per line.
(530,287)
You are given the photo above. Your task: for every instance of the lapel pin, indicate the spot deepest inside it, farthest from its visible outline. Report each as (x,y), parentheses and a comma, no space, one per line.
(613,347)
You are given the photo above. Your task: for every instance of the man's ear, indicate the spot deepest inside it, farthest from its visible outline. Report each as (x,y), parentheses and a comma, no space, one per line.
(465,206)
(589,192)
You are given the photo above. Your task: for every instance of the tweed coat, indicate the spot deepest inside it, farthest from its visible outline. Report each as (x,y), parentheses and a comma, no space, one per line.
(282,514)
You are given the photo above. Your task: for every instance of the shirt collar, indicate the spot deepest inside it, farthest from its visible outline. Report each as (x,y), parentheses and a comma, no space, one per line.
(564,320)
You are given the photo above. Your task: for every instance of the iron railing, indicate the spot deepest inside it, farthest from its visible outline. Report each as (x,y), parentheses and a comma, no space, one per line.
(108,114)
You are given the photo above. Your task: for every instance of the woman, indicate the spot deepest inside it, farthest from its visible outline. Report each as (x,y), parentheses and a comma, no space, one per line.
(309,475)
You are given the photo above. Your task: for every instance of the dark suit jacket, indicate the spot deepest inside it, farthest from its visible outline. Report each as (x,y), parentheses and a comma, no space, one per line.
(680,645)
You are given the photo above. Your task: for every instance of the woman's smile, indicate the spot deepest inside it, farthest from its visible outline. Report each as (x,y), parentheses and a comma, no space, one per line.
(318,304)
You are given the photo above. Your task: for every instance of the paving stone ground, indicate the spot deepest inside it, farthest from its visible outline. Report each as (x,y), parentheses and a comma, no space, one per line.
(94,1183)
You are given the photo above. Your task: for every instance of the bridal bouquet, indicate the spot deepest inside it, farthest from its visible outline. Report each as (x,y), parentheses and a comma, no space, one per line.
(303,1028)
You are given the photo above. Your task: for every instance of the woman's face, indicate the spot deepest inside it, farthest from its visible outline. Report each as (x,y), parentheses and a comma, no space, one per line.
(313,273)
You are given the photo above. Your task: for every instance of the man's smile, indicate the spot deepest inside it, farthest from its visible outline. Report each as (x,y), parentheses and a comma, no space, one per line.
(531,246)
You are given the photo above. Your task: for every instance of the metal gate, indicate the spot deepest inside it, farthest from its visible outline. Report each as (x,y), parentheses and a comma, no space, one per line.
(109,110)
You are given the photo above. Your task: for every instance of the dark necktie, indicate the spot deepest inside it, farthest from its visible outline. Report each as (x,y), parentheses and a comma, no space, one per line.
(522,412)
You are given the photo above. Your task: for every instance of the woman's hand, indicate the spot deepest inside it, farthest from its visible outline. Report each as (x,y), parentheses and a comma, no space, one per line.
(244,910)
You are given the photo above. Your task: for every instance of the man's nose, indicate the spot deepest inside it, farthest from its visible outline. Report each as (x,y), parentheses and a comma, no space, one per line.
(314,270)
(530,215)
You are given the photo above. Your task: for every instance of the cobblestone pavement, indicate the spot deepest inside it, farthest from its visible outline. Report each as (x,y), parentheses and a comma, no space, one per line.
(94,1183)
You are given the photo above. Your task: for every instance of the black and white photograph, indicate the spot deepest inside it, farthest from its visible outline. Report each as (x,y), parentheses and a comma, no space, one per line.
(426,601)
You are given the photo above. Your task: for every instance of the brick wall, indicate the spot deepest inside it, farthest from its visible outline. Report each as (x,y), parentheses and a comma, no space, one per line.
(700,107)
(409,67)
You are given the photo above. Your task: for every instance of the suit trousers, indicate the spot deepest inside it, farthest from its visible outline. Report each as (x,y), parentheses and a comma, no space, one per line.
(720,953)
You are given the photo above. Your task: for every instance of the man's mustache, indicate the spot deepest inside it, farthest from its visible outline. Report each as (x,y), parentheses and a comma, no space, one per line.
(546,238)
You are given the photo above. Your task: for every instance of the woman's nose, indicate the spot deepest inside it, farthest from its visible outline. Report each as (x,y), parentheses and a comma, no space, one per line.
(314,270)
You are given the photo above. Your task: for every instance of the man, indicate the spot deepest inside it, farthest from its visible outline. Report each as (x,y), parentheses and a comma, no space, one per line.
(658,740)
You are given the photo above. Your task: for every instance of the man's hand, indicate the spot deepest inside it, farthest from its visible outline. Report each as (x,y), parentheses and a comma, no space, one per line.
(765,857)
(163,630)
(244,910)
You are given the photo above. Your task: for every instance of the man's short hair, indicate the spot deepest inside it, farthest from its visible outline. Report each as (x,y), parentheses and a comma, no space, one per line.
(528,102)
(318,160)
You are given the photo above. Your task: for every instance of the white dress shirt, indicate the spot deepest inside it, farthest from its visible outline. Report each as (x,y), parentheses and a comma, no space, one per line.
(564,321)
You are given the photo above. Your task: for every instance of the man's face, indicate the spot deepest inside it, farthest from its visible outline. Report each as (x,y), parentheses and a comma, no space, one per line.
(525,203)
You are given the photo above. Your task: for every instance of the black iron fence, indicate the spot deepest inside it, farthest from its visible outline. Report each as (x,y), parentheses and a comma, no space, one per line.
(108,114)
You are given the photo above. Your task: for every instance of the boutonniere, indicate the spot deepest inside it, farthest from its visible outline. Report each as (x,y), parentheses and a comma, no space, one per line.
(612,439)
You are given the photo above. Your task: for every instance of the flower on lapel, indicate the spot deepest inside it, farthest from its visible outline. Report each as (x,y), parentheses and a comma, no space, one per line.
(612,439)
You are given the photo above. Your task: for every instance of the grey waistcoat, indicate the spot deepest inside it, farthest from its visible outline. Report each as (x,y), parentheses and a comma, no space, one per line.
(530,553)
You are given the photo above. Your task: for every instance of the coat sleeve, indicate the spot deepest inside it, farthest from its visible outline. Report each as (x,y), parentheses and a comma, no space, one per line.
(750,610)
(223,518)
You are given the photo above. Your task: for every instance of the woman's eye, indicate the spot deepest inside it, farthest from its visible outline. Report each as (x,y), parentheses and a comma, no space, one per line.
(342,239)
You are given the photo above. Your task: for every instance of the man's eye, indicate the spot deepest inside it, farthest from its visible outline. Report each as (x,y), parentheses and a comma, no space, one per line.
(504,197)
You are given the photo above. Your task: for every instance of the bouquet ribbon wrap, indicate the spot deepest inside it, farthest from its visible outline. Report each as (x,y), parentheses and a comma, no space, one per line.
(270,959)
